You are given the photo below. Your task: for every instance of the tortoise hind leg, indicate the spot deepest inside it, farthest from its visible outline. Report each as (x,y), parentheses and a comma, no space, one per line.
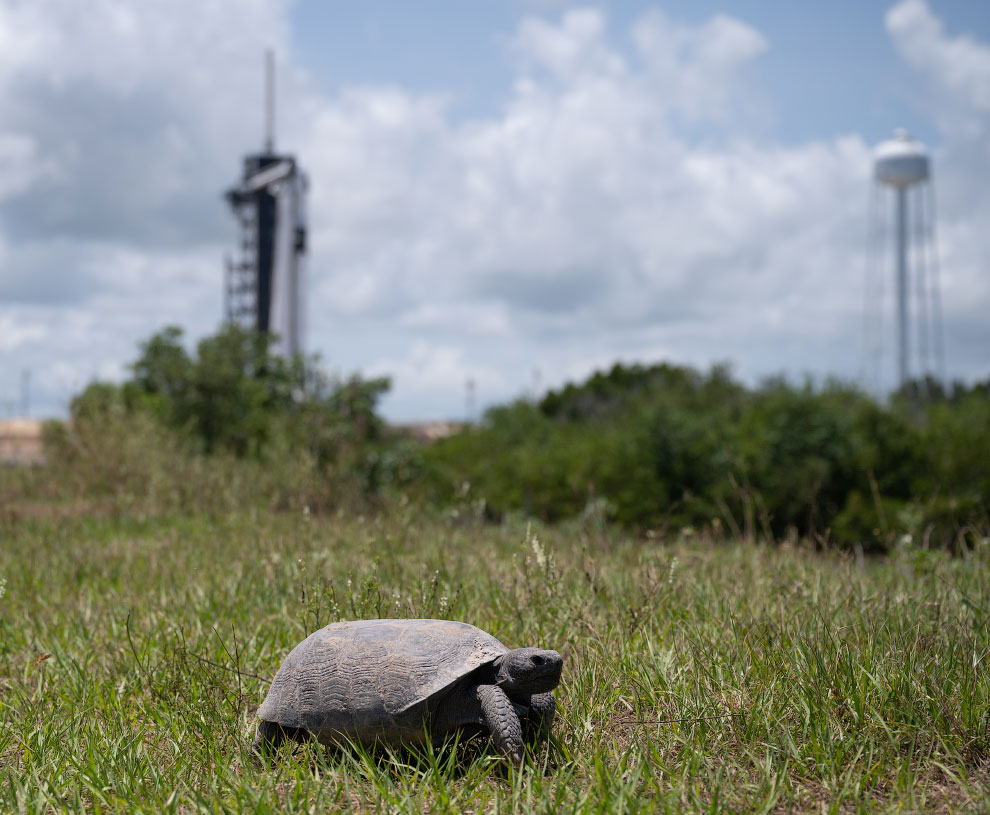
(272,736)
(503,722)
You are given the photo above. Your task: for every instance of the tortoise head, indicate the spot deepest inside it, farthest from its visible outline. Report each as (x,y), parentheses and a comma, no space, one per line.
(528,670)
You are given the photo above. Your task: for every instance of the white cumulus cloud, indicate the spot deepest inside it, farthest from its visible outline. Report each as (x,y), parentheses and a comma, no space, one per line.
(960,64)
(580,222)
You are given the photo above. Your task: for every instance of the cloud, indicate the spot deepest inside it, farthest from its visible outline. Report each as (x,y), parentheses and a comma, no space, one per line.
(426,367)
(953,75)
(15,332)
(20,166)
(960,65)
(128,114)
(589,216)
(695,69)
(122,124)
(584,220)
(572,50)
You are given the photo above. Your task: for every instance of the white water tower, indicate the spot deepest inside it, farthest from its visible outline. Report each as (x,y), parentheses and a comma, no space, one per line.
(902,166)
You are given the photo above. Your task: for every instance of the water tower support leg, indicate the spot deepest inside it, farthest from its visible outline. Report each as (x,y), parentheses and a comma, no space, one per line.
(902,310)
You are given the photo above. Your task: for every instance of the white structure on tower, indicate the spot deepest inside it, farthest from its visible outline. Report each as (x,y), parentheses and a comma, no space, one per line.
(265,284)
(903,166)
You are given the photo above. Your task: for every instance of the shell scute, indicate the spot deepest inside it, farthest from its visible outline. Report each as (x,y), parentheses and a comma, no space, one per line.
(366,678)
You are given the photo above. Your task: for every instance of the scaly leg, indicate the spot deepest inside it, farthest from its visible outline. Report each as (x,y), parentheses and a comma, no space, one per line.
(539,720)
(503,722)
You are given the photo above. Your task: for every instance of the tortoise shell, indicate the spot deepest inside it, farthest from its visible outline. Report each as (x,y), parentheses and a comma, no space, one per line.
(375,679)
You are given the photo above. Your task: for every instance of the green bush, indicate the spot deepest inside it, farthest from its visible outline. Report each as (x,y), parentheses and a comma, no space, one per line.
(656,449)
(665,447)
(232,425)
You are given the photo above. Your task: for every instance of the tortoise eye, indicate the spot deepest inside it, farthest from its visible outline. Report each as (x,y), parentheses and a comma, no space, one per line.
(537,660)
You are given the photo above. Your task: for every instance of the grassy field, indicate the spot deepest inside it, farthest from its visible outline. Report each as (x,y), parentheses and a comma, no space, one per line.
(699,675)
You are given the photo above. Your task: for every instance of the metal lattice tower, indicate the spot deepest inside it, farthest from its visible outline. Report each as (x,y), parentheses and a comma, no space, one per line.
(264,282)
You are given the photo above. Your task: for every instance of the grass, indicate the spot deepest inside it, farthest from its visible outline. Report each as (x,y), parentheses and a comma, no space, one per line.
(699,676)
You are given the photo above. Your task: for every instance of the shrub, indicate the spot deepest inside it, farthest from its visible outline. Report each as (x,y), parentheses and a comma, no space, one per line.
(665,446)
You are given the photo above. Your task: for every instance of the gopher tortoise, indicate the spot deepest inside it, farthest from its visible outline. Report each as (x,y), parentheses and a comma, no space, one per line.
(403,681)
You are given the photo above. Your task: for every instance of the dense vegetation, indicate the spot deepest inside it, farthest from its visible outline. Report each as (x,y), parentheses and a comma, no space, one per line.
(651,449)
(171,435)
(663,448)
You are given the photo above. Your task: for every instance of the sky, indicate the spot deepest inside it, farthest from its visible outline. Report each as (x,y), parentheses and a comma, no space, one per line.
(511,192)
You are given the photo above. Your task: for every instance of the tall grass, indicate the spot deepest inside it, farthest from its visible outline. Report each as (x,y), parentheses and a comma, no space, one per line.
(129,464)
(135,649)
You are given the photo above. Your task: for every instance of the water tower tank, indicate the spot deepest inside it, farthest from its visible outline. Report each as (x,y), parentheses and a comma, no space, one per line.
(900,161)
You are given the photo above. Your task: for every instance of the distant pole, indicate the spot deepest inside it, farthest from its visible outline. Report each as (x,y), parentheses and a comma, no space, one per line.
(902,286)
(932,246)
(470,400)
(26,392)
(269,101)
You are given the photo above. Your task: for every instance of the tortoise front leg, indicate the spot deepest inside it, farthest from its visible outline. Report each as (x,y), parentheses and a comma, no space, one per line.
(503,722)
(270,737)
(539,720)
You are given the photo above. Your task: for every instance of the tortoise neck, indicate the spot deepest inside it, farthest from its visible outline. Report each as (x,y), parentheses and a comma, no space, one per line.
(503,676)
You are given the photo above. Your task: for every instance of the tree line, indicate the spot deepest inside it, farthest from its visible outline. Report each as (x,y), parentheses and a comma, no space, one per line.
(660,448)
(668,448)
